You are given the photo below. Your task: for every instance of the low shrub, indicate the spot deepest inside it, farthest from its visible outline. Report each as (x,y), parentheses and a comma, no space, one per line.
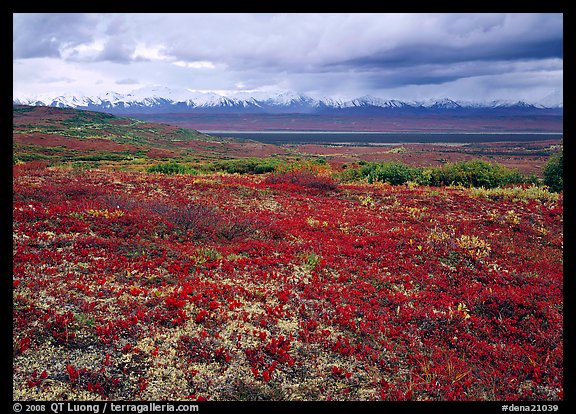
(517,192)
(478,173)
(245,166)
(171,167)
(304,178)
(395,173)
(474,173)
(197,219)
(554,173)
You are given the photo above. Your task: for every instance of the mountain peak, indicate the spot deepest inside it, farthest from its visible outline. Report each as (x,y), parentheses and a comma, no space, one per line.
(164,99)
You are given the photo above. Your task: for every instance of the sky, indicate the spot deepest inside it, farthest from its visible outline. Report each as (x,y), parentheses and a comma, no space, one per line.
(465,56)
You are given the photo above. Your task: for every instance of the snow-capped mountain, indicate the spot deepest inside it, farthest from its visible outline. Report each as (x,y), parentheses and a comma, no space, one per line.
(372,101)
(444,103)
(165,100)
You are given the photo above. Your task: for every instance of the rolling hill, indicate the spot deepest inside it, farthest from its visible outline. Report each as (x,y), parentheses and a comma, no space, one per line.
(66,134)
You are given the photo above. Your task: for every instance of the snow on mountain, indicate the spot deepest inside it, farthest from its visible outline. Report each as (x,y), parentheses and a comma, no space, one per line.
(444,103)
(67,100)
(369,100)
(158,98)
(288,98)
(514,104)
(554,99)
(158,92)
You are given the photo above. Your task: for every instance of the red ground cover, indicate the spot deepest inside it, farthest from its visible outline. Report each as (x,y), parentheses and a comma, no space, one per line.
(87,144)
(132,286)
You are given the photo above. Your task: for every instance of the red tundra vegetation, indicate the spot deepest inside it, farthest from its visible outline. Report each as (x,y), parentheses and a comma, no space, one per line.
(135,286)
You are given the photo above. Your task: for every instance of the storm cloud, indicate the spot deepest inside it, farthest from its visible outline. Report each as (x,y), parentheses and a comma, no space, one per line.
(324,53)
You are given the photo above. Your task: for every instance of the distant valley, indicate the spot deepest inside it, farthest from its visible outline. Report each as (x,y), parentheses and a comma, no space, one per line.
(359,123)
(62,136)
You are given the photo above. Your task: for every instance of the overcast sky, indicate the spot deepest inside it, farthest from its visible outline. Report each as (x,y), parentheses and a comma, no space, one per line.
(402,56)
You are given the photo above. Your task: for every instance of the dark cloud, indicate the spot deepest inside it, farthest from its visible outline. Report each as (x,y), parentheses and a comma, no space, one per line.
(117,50)
(45,34)
(295,42)
(304,51)
(438,54)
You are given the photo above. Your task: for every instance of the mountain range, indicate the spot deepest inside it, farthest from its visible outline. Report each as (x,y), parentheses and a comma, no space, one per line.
(168,100)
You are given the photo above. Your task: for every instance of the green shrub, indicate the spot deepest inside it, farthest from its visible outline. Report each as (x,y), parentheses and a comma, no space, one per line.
(394,173)
(475,173)
(554,173)
(350,174)
(426,176)
(479,173)
(517,193)
(32,157)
